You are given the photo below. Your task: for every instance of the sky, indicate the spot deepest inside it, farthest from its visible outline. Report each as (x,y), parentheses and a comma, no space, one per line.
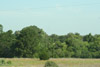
(53,16)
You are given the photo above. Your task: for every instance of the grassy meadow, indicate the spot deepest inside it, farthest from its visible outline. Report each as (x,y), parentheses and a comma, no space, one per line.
(64,62)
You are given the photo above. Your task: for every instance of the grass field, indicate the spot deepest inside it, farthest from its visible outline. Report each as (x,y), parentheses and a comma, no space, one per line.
(64,62)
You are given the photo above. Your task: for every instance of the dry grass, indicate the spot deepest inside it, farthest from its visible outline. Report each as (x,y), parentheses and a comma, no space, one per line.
(64,62)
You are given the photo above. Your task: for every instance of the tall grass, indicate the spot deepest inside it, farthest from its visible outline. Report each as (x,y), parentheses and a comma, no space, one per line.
(62,62)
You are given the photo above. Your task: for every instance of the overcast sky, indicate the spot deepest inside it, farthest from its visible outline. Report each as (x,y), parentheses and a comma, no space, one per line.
(53,16)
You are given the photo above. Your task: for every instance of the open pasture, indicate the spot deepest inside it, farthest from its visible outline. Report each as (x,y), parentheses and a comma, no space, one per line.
(64,62)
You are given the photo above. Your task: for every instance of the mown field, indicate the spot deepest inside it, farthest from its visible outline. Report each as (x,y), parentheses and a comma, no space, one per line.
(64,62)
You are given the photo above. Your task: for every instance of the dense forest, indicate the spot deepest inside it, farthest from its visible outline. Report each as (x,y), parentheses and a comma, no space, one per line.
(31,41)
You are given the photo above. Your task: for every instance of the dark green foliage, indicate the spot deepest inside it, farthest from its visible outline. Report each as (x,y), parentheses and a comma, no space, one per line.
(89,38)
(32,42)
(50,64)
(54,37)
(44,55)
(1,29)
(58,49)
(6,41)
(27,42)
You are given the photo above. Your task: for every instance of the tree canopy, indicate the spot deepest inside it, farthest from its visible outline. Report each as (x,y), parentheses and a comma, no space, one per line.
(31,42)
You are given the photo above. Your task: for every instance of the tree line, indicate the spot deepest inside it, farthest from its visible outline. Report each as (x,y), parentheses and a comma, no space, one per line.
(31,42)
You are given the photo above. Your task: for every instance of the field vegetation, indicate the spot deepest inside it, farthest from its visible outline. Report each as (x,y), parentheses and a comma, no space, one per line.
(64,62)
(22,47)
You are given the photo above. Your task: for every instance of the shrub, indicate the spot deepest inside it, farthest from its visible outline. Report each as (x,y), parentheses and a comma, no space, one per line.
(9,62)
(2,61)
(50,64)
(44,56)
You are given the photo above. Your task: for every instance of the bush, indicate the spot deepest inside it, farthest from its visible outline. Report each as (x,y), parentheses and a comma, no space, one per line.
(9,62)
(44,56)
(2,61)
(50,64)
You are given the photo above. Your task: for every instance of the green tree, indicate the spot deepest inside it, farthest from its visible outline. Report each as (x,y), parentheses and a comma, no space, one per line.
(58,49)
(89,38)
(28,42)
(1,28)
(75,45)
(6,41)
